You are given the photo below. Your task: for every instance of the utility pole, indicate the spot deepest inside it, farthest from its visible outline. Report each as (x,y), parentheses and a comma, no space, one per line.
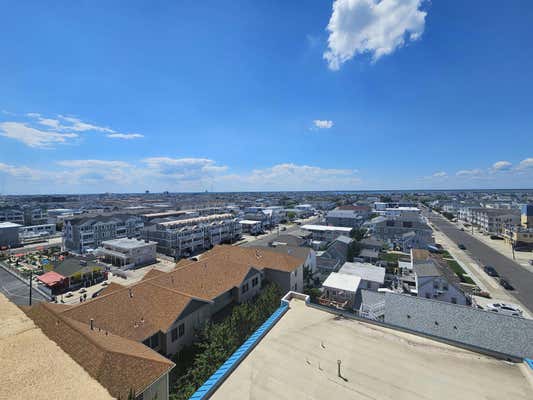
(31,279)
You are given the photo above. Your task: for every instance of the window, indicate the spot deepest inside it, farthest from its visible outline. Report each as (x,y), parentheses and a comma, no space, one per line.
(181,330)
(407,224)
(255,282)
(154,341)
(244,288)
(174,334)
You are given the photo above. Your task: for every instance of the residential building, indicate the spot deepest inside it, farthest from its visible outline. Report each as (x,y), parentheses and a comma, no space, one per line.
(312,353)
(490,220)
(372,277)
(36,367)
(127,253)
(432,282)
(13,215)
(347,218)
(339,290)
(331,259)
(36,231)
(87,233)
(251,226)
(526,217)
(184,237)
(391,230)
(34,216)
(326,233)
(164,310)
(519,237)
(121,365)
(9,234)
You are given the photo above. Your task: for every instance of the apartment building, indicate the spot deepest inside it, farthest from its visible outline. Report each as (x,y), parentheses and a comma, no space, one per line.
(36,231)
(164,310)
(491,221)
(127,253)
(325,233)
(87,233)
(347,218)
(13,215)
(392,230)
(9,234)
(183,237)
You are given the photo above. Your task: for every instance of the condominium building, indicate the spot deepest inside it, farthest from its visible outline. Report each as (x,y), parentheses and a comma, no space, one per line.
(490,220)
(127,253)
(183,237)
(13,215)
(86,233)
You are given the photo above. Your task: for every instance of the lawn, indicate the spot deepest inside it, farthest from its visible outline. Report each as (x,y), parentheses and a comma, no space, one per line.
(460,272)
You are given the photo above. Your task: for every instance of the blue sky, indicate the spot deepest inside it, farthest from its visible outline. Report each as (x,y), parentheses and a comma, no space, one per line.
(265,95)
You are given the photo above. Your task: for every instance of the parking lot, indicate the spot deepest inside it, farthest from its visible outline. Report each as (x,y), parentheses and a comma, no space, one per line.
(16,290)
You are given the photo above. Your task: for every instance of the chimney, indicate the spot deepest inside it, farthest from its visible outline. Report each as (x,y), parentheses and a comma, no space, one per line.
(91,322)
(130,292)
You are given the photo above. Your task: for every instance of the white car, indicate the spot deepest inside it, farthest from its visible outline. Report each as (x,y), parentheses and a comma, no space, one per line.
(507,309)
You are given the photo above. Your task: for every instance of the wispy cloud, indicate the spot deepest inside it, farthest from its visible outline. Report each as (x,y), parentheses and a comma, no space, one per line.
(125,136)
(525,164)
(39,131)
(440,174)
(33,137)
(469,172)
(323,123)
(377,27)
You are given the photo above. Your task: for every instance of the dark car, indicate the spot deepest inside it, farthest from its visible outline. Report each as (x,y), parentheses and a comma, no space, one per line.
(462,246)
(489,270)
(505,284)
(496,237)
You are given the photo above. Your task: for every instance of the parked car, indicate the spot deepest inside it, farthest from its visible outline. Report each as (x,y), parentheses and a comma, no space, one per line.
(530,262)
(503,308)
(462,246)
(489,270)
(505,284)
(496,237)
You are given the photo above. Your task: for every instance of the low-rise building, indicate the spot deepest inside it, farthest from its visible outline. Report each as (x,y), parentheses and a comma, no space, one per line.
(348,218)
(183,237)
(326,233)
(127,253)
(36,231)
(9,234)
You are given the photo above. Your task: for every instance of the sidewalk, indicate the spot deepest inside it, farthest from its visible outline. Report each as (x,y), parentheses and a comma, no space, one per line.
(475,271)
(521,257)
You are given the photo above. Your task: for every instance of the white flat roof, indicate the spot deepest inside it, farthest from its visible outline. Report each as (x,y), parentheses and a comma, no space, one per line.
(297,359)
(125,243)
(341,281)
(365,271)
(326,228)
(9,225)
(249,222)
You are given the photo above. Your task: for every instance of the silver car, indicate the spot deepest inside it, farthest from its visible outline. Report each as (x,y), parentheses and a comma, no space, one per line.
(503,308)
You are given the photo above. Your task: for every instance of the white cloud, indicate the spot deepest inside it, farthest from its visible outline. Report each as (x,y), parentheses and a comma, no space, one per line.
(440,174)
(371,26)
(125,136)
(526,163)
(501,166)
(183,168)
(323,123)
(22,172)
(80,126)
(469,172)
(290,176)
(93,164)
(33,137)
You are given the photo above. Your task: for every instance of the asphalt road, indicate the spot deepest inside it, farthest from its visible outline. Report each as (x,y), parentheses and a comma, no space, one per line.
(16,290)
(520,279)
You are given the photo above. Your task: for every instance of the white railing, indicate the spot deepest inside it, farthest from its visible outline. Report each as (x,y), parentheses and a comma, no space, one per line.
(375,311)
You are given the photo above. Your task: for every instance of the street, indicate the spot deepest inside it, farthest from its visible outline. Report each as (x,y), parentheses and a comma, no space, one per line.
(16,290)
(520,279)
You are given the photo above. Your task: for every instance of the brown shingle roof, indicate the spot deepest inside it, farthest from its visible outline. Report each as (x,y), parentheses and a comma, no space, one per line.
(134,312)
(117,363)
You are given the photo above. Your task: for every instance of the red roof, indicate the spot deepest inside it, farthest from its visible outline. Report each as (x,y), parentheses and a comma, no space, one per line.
(51,278)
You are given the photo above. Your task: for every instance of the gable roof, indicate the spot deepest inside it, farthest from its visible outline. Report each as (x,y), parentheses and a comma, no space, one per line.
(134,312)
(117,363)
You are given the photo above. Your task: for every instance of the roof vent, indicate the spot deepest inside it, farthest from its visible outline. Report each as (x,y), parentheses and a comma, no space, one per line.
(130,292)
(91,323)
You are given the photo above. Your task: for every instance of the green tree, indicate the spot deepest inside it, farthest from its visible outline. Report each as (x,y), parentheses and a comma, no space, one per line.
(353,251)
(358,233)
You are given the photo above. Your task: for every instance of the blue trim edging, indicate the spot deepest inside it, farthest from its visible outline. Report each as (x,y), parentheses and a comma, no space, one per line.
(529,362)
(215,380)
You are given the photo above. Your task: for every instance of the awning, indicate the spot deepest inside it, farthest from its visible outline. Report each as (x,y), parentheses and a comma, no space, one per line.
(51,278)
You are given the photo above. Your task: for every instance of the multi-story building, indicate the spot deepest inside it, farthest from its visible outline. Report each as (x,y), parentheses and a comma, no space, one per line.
(348,218)
(392,230)
(13,215)
(36,231)
(491,221)
(9,234)
(128,253)
(84,233)
(184,237)
(326,233)
(35,216)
